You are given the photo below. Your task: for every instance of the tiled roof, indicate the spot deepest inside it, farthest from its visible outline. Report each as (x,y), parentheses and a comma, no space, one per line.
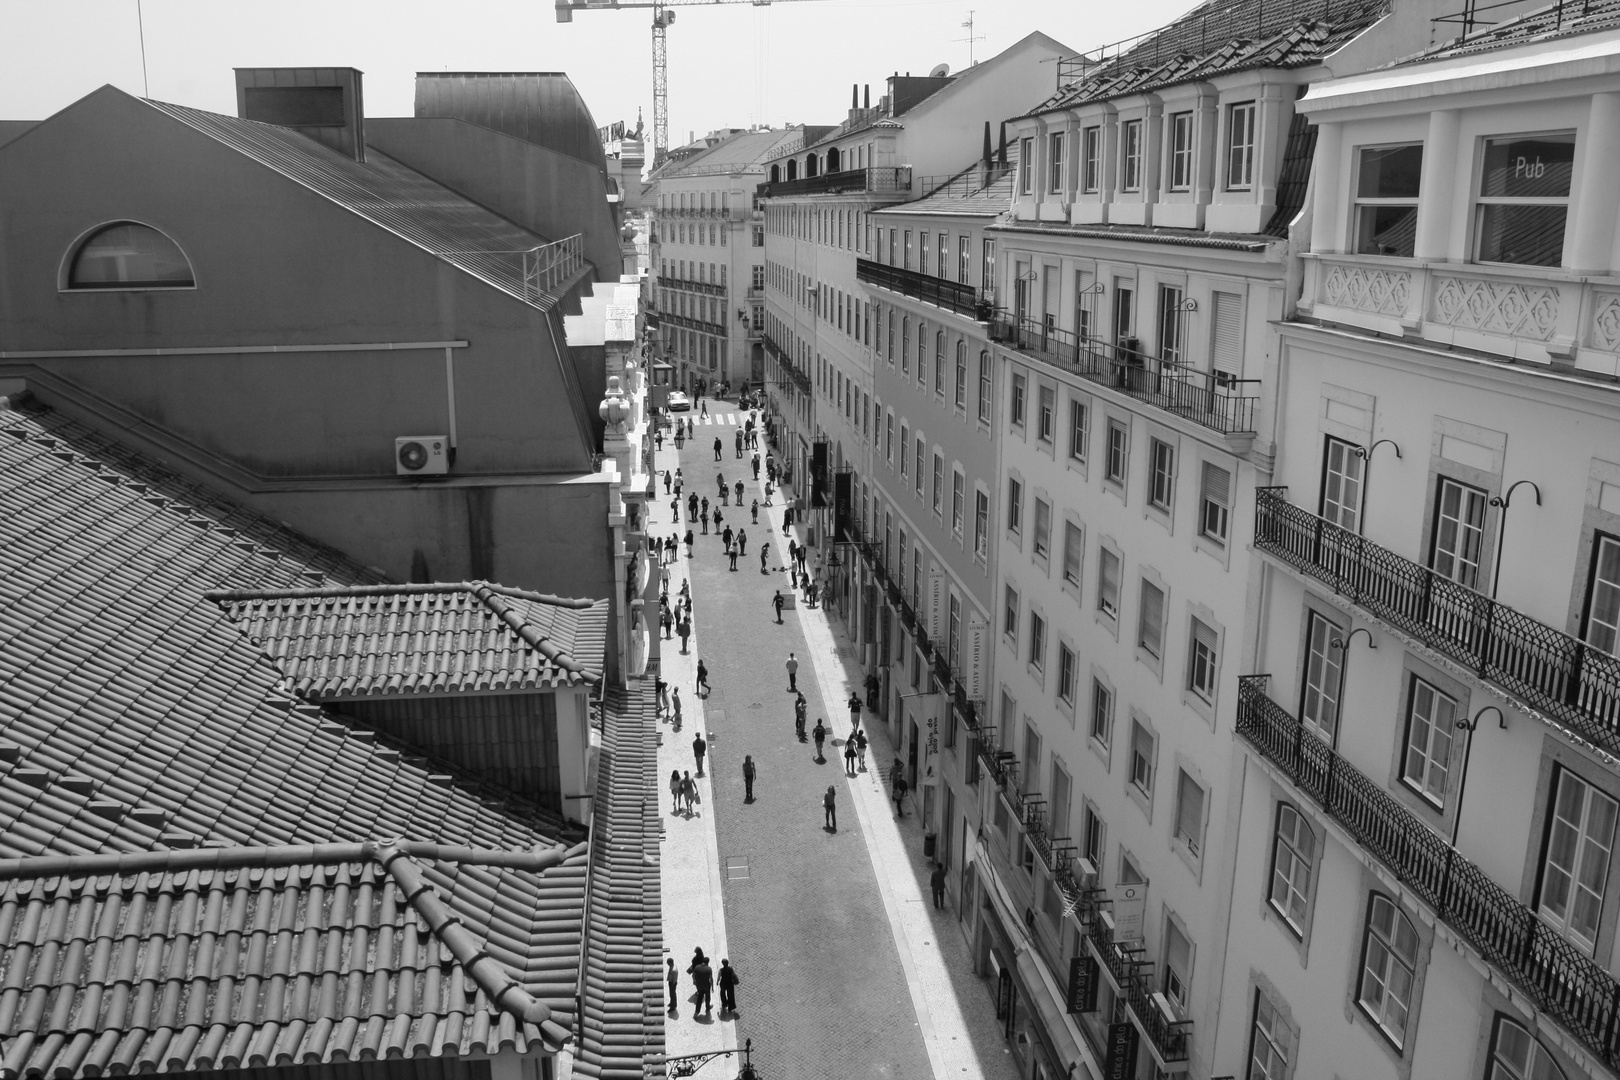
(743,151)
(1142,234)
(388,194)
(1219,37)
(622,1019)
(181,961)
(1545,24)
(360,641)
(964,195)
(136,720)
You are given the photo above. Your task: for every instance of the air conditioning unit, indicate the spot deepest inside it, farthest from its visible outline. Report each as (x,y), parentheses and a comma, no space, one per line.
(422,455)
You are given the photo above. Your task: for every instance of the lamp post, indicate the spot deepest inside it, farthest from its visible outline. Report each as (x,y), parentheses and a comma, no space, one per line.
(1343,645)
(1502,502)
(1469,726)
(691,1063)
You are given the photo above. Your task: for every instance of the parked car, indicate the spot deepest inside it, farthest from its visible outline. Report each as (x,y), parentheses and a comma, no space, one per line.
(679,402)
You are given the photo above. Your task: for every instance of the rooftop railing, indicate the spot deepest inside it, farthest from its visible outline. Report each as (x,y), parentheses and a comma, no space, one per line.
(878,180)
(954,296)
(547,267)
(1566,679)
(1562,980)
(1214,400)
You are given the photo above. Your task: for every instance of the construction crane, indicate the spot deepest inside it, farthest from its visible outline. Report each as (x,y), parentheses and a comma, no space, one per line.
(662,17)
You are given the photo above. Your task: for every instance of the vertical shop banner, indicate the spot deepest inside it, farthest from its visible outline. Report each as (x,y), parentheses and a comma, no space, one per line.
(1130,905)
(1082,984)
(843,506)
(1122,1041)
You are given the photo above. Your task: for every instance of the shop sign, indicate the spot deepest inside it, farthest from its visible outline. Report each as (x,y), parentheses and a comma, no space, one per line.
(1122,1042)
(1082,984)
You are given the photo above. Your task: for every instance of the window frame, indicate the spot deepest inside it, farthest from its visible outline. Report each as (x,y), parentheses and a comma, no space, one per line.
(1420,785)
(1091,160)
(1015,506)
(1179,151)
(1338,478)
(1054,161)
(1119,453)
(1218,530)
(1601,543)
(1026,165)
(1203,659)
(1292,886)
(1162,490)
(1360,204)
(1079,429)
(1372,935)
(1130,156)
(1482,202)
(76,251)
(1240,155)
(1561,924)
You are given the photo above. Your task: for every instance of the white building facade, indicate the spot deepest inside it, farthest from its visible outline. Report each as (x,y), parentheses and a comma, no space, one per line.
(1438,584)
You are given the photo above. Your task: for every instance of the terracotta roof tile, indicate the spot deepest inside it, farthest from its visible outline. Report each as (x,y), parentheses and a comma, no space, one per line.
(363,641)
(136,719)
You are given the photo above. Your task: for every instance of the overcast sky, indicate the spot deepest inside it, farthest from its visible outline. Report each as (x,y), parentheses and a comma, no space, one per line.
(735,65)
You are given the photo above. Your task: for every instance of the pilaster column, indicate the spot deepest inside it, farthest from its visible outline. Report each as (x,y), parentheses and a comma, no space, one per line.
(1434,189)
(1327,233)
(1594,212)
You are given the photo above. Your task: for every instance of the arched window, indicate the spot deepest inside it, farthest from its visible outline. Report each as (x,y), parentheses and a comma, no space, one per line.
(128,255)
(1515,1055)
(832,159)
(809,165)
(792,169)
(776,174)
(1388,967)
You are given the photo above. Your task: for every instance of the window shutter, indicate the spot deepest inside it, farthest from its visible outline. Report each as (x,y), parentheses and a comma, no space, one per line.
(1110,575)
(1227,350)
(1217,484)
(1189,812)
(1152,618)
(1073,550)
(1204,636)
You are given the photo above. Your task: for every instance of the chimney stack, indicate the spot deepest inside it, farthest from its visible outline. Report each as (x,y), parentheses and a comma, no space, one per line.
(867,97)
(855,95)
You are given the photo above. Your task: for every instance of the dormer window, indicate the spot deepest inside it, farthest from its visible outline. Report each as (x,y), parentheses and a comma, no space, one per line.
(1524,200)
(1130,156)
(1091,159)
(1387,199)
(129,255)
(1055,160)
(1240,147)
(1026,166)
(1180,157)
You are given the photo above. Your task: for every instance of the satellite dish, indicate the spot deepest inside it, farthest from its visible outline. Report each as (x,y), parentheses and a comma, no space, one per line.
(940,71)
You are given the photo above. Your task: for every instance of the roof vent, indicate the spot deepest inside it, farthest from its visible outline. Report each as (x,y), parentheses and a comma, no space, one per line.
(33,777)
(107,808)
(10,751)
(148,815)
(78,784)
(324,104)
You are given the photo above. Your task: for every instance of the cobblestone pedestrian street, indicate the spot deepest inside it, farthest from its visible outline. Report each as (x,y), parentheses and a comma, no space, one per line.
(846,969)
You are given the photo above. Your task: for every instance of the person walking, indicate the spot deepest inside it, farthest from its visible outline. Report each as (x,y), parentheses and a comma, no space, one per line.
(801,709)
(675,706)
(675,511)
(717,448)
(720,482)
(849,757)
(667,621)
(728,987)
(820,734)
(688,543)
(754,510)
(829,803)
(703,980)
(748,777)
(732,552)
(900,789)
(742,541)
(675,790)
(739,441)
(699,748)
(702,677)
(755,464)
(860,748)
(768,490)
(739,490)
(792,670)
(764,557)
(703,410)
(726,536)
(717,519)
(854,714)
(674,979)
(936,882)
(776,602)
(662,708)
(668,479)
(692,504)
(689,791)
(704,521)
(684,629)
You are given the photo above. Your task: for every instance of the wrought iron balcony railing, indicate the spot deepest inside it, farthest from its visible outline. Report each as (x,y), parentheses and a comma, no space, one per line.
(1133,974)
(1214,400)
(954,296)
(1558,675)
(879,180)
(800,379)
(1562,981)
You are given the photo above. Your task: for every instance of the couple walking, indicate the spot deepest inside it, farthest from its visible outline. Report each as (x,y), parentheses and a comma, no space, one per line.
(703,980)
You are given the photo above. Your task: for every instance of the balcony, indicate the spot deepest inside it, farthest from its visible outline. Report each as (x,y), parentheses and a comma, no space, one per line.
(1132,976)
(882,180)
(1550,672)
(707,288)
(1552,972)
(1538,314)
(951,295)
(1207,398)
(798,378)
